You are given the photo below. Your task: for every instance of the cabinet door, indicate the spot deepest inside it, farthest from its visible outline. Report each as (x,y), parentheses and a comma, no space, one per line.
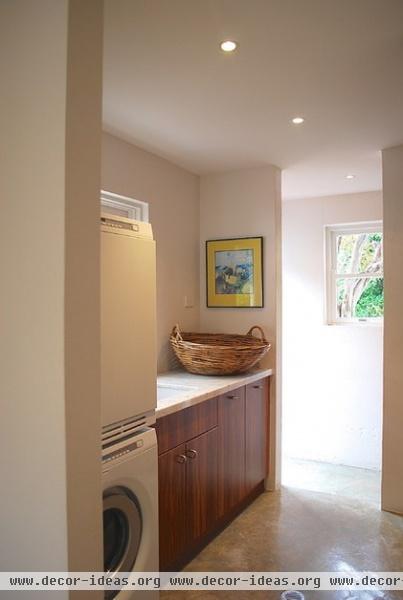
(186,424)
(172,505)
(256,433)
(231,471)
(202,482)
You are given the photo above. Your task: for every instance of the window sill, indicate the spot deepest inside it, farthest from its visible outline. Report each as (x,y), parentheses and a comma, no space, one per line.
(355,323)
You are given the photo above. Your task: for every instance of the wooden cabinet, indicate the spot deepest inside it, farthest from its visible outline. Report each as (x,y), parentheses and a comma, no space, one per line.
(243,433)
(188,476)
(256,433)
(213,461)
(231,471)
(201,484)
(172,503)
(187,495)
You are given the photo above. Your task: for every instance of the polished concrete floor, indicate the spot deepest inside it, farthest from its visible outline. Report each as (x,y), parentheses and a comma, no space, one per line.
(300,530)
(363,485)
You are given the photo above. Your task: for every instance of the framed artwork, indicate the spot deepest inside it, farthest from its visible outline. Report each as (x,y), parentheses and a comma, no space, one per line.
(234,270)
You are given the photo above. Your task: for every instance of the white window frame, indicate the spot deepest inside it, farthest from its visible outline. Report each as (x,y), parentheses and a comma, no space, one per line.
(136,209)
(331,233)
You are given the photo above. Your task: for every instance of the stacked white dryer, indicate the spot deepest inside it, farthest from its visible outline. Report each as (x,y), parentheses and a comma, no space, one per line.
(128,399)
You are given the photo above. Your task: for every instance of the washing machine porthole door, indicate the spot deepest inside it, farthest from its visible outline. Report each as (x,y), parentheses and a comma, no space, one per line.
(122,530)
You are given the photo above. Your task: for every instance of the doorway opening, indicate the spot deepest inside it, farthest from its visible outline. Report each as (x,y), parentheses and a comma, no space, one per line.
(332,345)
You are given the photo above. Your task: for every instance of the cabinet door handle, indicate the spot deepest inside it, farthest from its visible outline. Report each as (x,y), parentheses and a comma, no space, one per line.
(191,453)
(232,397)
(257,387)
(180,458)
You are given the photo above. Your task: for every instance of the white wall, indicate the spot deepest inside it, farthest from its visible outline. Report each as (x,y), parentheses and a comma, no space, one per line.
(332,386)
(246,203)
(392,465)
(241,204)
(173,194)
(82,286)
(49,342)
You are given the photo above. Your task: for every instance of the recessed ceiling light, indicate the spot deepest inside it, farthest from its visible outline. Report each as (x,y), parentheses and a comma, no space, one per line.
(350,176)
(228,46)
(298,120)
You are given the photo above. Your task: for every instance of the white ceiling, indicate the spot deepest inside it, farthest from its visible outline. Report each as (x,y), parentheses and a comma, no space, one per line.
(339,63)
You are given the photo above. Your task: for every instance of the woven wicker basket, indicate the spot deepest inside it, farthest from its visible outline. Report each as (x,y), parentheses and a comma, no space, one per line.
(218,353)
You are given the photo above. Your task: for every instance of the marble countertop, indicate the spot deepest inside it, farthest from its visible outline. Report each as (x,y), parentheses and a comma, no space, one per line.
(179,389)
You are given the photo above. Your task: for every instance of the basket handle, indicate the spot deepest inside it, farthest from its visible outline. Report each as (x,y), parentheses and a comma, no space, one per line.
(176,333)
(263,339)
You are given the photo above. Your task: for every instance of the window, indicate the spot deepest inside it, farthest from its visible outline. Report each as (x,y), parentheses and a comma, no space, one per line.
(113,204)
(354,273)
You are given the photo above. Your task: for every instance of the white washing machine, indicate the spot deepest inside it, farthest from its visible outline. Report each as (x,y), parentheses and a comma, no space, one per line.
(130,508)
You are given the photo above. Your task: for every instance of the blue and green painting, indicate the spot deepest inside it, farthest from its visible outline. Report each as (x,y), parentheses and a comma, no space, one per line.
(234,272)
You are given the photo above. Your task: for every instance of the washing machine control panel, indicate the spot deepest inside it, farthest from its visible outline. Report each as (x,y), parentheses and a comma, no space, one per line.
(117,453)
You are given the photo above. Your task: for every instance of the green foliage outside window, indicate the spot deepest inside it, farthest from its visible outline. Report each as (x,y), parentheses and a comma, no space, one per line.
(370,303)
(360,256)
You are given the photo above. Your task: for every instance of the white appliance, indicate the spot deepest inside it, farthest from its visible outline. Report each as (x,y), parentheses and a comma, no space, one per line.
(128,323)
(130,509)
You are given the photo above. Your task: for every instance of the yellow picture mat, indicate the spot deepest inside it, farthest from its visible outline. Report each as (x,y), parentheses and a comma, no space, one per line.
(247,247)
